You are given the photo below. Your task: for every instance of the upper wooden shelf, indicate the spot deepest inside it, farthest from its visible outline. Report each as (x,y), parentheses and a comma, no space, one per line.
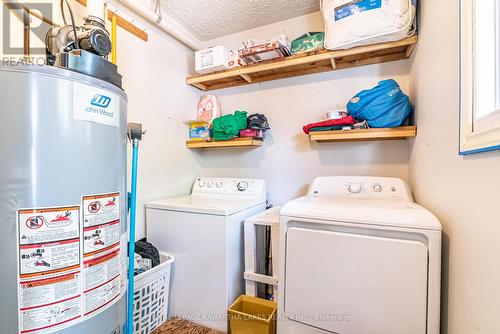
(402,132)
(309,63)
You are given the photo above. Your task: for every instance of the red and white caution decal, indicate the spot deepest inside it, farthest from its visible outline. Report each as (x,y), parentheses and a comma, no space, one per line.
(49,269)
(70,262)
(101,252)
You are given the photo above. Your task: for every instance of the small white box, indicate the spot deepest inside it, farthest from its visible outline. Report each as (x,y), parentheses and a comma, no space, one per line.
(211,59)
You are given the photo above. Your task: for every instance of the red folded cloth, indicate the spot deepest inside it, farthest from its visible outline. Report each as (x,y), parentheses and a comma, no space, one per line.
(348,120)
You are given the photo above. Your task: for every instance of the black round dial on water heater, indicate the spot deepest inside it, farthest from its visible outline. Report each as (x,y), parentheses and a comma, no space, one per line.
(97,42)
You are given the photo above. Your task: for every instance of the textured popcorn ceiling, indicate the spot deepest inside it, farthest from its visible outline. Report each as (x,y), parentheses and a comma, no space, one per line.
(208,19)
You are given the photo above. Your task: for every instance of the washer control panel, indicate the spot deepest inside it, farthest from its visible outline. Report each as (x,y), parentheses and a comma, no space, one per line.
(363,187)
(229,186)
(357,188)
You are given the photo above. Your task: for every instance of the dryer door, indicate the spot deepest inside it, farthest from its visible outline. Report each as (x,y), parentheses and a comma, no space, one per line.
(355,284)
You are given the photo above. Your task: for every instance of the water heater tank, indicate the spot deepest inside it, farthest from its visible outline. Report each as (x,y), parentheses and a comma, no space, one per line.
(63,202)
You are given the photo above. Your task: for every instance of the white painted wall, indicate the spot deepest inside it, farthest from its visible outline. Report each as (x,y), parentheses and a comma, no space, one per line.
(293,29)
(289,161)
(462,192)
(154,74)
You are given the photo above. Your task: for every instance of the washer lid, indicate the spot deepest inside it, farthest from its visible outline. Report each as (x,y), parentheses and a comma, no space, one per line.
(386,212)
(213,205)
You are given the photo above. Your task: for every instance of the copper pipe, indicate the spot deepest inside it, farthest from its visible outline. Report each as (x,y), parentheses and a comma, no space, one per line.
(40,16)
(27,31)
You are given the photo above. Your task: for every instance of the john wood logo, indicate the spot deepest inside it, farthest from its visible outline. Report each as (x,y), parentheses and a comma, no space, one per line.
(101,101)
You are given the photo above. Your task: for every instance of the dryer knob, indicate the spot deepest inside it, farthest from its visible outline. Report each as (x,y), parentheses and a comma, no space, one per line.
(354,188)
(242,185)
(201,183)
(377,188)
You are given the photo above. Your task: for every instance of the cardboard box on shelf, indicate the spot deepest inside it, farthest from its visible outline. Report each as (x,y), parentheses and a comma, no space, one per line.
(199,130)
(211,59)
(235,60)
(263,52)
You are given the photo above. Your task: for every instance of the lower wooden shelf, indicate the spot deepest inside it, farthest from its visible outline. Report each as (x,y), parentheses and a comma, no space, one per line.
(237,142)
(372,134)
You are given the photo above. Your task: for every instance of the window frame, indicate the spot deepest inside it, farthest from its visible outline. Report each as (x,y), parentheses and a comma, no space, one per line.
(485,138)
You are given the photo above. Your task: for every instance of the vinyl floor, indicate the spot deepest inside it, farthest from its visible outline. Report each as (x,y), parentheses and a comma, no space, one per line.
(181,326)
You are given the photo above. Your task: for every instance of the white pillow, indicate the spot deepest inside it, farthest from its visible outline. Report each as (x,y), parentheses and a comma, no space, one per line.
(350,23)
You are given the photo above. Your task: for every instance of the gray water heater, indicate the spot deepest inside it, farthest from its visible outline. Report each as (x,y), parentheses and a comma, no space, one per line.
(63,202)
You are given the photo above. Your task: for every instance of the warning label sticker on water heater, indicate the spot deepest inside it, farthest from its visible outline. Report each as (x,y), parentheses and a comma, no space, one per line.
(70,263)
(101,252)
(96,105)
(49,272)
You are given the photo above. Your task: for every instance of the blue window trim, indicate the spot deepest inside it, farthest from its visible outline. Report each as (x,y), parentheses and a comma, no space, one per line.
(480,150)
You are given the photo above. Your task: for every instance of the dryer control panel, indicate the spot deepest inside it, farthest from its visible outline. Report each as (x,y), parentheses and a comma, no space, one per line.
(230,186)
(362,187)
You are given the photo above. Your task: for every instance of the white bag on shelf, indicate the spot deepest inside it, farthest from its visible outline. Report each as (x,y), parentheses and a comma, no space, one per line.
(350,23)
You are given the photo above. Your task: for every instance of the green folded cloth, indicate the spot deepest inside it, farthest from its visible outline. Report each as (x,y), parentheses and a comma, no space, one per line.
(229,126)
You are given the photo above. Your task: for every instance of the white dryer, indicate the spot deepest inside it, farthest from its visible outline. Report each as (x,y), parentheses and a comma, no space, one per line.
(204,232)
(359,257)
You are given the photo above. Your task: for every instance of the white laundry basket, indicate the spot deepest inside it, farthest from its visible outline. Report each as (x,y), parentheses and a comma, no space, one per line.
(151,296)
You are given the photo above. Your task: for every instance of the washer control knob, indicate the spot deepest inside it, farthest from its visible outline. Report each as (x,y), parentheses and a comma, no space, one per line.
(209,184)
(201,183)
(377,188)
(354,188)
(242,185)
(218,184)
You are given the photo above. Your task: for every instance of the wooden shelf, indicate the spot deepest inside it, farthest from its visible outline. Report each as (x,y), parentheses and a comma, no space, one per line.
(403,132)
(309,63)
(237,142)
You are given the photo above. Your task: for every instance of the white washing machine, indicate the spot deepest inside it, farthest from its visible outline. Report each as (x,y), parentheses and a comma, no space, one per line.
(359,257)
(204,232)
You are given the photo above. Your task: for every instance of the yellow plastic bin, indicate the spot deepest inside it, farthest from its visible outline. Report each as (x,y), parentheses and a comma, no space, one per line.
(250,315)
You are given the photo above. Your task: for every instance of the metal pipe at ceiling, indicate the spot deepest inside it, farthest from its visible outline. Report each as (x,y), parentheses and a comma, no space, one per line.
(96,8)
(165,23)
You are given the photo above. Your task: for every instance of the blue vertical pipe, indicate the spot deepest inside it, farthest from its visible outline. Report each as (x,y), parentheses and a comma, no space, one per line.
(131,247)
